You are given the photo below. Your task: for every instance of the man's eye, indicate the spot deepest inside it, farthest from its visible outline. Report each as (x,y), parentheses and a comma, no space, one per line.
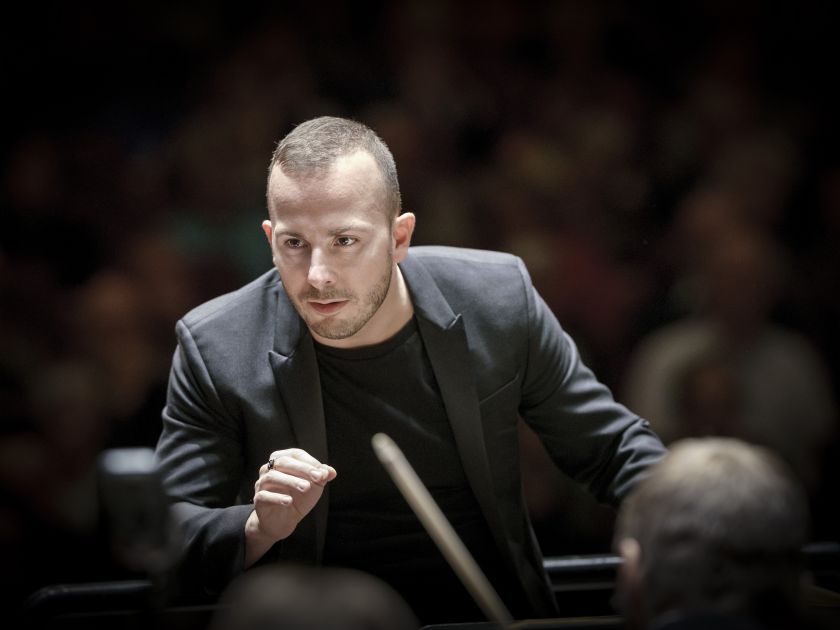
(345,241)
(293,243)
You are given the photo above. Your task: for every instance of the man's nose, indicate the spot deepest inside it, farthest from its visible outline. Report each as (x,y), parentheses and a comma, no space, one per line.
(320,271)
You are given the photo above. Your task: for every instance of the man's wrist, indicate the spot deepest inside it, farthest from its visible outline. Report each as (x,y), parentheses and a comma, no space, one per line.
(257,543)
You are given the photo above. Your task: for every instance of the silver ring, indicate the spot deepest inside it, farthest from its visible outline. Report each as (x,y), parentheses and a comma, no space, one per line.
(271,464)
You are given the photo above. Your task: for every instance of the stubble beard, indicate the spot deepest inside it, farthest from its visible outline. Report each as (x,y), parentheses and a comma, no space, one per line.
(337,328)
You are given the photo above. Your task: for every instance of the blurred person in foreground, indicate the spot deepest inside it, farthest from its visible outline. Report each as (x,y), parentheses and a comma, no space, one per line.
(300,598)
(277,388)
(712,539)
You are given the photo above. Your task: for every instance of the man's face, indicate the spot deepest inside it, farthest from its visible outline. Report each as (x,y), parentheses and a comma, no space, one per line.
(334,247)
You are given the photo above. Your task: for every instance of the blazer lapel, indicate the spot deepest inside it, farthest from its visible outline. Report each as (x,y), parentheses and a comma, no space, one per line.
(295,368)
(445,341)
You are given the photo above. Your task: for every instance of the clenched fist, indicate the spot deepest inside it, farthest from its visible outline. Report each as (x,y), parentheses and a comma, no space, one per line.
(283,495)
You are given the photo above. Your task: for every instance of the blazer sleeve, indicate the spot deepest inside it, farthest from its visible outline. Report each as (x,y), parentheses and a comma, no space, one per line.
(199,455)
(590,436)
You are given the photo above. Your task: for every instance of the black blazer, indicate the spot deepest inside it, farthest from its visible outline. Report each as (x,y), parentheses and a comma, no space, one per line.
(245,382)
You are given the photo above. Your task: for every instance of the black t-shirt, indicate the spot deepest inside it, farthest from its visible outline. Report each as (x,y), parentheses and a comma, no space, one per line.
(390,387)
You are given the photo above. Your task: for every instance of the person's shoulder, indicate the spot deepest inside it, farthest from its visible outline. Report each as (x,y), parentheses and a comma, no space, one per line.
(789,351)
(468,267)
(471,281)
(431,255)
(785,340)
(461,268)
(250,298)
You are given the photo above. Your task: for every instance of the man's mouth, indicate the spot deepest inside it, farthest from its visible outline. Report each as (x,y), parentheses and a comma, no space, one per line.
(327,307)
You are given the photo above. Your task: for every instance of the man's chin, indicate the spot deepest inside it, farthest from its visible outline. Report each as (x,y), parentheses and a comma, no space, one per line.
(333,330)
(332,334)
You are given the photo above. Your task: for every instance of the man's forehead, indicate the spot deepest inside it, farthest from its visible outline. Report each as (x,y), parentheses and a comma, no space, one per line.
(358,163)
(347,175)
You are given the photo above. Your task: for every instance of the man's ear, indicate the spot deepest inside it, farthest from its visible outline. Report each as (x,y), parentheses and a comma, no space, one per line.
(630,587)
(631,556)
(401,233)
(266,227)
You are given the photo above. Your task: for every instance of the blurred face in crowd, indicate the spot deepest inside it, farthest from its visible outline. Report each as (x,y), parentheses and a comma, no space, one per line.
(336,249)
(743,272)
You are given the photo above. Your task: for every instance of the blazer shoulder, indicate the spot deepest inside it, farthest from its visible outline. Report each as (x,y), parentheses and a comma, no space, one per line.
(462,270)
(481,285)
(432,255)
(235,306)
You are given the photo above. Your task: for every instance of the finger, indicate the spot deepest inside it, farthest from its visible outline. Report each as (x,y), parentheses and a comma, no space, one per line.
(278,500)
(322,475)
(299,462)
(331,472)
(275,480)
(264,497)
(297,453)
(296,467)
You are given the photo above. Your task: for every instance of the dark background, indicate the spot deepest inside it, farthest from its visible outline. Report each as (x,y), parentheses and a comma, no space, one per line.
(578,135)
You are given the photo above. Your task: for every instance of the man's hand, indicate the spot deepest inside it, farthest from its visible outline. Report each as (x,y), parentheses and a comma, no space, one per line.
(283,495)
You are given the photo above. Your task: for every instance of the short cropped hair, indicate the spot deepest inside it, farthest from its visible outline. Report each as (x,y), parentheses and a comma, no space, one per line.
(312,147)
(721,525)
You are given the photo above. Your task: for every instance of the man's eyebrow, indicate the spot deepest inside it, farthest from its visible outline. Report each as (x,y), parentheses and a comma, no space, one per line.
(284,232)
(351,227)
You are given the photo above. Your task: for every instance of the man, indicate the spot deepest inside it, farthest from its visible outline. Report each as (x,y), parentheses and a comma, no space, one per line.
(712,539)
(355,333)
